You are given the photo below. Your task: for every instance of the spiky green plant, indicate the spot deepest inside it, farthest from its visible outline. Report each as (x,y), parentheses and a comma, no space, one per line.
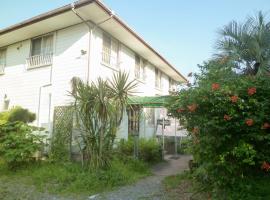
(99,107)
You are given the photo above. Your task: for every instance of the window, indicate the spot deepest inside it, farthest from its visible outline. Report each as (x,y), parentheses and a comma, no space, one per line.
(134,120)
(157,78)
(42,45)
(150,116)
(2,60)
(41,52)
(110,51)
(172,85)
(140,68)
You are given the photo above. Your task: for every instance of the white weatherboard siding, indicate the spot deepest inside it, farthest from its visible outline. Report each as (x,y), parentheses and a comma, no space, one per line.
(19,84)
(68,61)
(41,89)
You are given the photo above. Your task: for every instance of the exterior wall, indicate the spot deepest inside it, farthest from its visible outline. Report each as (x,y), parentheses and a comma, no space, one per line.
(68,61)
(19,84)
(25,87)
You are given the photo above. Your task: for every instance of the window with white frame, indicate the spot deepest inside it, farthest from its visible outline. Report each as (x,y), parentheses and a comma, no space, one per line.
(140,68)
(42,45)
(158,75)
(41,51)
(2,60)
(110,51)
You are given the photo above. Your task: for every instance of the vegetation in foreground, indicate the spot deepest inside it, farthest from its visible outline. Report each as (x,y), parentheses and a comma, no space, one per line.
(227,113)
(70,179)
(184,186)
(98,109)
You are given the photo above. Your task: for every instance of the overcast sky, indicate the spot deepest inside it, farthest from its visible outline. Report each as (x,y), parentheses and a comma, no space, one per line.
(184,32)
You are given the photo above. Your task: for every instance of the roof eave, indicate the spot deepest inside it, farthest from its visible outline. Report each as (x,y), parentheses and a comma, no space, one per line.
(81,3)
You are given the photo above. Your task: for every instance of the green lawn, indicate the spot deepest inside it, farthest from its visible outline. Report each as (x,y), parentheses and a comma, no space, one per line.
(69,179)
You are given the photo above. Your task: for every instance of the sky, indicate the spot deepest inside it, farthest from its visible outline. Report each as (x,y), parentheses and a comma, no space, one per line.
(183,31)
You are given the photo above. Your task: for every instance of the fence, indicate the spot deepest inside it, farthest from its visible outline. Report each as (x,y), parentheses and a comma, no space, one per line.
(61,144)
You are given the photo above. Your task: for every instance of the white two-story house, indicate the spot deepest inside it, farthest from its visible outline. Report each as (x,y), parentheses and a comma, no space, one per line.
(39,57)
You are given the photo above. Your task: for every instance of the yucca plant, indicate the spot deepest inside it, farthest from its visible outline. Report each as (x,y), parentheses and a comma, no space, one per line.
(99,107)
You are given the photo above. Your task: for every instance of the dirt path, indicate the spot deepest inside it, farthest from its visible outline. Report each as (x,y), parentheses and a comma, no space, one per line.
(149,188)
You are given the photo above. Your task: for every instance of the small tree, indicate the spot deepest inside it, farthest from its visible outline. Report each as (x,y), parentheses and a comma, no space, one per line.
(247,44)
(17,113)
(99,108)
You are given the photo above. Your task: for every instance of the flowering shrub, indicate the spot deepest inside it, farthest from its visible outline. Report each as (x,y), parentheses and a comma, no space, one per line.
(229,122)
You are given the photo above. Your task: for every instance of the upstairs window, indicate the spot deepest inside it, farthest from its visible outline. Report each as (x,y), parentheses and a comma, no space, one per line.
(110,51)
(140,68)
(2,60)
(158,75)
(172,85)
(41,52)
(42,45)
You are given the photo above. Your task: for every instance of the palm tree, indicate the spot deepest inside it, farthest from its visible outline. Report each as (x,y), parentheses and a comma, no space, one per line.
(247,44)
(99,108)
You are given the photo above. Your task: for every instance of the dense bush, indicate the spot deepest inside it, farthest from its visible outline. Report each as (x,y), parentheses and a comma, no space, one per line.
(18,144)
(17,114)
(149,150)
(228,117)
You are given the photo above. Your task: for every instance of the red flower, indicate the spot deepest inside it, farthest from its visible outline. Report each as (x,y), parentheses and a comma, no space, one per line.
(265,166)
(249,122)
(227,117)
(251,91)
(266,125)
(192,107)
(234,98)
(215,86)
(180,110)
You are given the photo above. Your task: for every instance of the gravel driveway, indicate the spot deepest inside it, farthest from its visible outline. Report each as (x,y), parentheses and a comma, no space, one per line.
(149,188)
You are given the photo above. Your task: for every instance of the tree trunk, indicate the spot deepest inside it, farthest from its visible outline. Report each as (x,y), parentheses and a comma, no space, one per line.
(256,68)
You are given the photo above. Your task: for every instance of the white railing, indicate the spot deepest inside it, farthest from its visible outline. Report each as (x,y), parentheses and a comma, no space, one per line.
(2,69)
(39,61)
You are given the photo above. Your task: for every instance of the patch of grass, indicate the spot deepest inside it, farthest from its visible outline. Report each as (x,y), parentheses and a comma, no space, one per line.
(172,182)
(69,178)
(182,186)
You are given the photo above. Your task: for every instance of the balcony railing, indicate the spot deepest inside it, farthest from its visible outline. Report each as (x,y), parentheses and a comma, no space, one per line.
(2,69)
(39,61)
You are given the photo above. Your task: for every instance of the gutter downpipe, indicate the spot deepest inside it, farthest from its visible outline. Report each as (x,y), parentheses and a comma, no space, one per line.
(91,29)
(89,41)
